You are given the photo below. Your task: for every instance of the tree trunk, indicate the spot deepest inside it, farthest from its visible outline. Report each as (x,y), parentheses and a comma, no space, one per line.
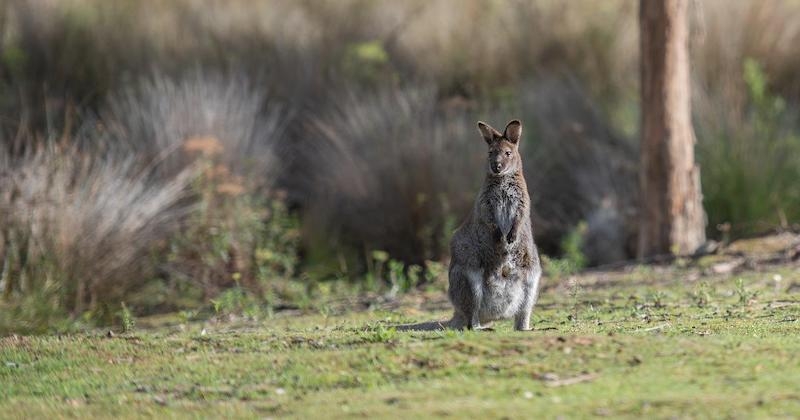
(672,217)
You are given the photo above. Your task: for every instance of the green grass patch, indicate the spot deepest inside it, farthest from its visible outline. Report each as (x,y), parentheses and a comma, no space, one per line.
(645,343)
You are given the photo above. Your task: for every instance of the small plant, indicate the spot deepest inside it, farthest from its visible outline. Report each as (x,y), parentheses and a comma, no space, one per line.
(557,267)
(127,319)
(187,316)
(450,334)
(399,276)
(573,260)
(434,270)
(574,292)
(379,334)
(701,295)
(325,310)
(374,275)
(236,301)
(746,297)
(572,244)
(657,298)
(403,278)
(638,309)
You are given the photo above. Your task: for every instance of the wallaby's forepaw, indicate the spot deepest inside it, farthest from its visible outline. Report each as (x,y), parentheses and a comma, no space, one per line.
(498,235)
(522,325)
(510,238)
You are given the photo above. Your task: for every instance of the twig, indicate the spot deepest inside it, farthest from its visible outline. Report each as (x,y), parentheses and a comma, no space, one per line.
(657,327)
(552,383)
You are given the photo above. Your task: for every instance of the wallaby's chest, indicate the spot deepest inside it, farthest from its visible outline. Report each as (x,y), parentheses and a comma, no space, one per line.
(505,208)
(503,201)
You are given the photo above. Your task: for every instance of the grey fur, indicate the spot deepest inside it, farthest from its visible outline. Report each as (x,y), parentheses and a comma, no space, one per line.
(495,271)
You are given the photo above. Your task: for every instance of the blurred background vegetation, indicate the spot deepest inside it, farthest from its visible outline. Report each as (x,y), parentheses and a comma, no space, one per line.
(248,156)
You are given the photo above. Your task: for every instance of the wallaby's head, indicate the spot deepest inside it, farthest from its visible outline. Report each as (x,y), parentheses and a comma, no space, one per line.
(504,155)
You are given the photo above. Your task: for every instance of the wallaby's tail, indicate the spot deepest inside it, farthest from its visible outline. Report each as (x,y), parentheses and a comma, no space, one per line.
(426,326)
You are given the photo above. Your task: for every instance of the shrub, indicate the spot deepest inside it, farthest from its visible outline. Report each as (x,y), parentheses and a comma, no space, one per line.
(235,239)
(750,159)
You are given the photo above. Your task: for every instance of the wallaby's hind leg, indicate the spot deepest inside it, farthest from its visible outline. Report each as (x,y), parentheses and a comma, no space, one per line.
(475,280)
(459,321)
(522,320)
(466,293)
(460,296)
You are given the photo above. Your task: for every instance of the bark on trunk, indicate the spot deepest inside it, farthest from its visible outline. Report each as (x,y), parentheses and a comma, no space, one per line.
(672,216)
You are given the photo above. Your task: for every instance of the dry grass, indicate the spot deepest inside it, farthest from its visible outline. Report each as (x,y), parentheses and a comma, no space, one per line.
(155,188)
(79,230)
(175,121)
(580,169)
(391,171)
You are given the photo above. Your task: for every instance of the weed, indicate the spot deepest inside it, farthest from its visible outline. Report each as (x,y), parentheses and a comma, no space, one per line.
(746,297)
(186,316)
(235,301)
(379,334)
(658,298)
(127,320)
(573,260)
(574,293)
(701,295)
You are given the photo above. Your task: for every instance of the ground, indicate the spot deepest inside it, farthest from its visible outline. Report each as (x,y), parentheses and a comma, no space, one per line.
(718,337)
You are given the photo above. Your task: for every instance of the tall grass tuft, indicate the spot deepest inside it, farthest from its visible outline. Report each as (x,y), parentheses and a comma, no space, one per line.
(176,121)
(161,201)
(580,170)
(234,135)
(77,233)
(391,171)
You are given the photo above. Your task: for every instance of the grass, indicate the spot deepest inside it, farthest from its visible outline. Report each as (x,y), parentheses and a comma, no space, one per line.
(654,342)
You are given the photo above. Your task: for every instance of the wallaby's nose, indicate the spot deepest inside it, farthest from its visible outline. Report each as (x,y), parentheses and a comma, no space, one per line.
(496,168)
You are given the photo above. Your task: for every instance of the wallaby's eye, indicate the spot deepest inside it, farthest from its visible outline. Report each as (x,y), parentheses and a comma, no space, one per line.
(508,153)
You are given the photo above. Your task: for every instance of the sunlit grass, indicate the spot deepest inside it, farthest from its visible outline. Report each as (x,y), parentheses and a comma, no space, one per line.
(629,345)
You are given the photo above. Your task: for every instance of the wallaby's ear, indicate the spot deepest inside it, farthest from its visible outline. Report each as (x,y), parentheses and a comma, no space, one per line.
(513,131)
(489,134)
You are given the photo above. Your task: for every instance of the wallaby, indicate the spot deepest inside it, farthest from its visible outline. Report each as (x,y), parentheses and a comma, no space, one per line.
(494,268)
